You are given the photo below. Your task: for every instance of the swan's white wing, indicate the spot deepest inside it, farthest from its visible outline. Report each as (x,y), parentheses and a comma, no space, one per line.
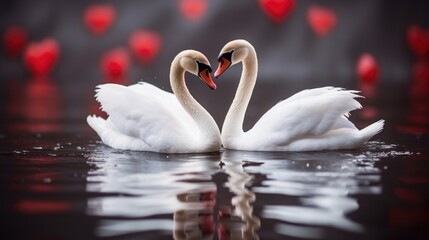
(306,114)
(145,112)
(159,95)
(314,92)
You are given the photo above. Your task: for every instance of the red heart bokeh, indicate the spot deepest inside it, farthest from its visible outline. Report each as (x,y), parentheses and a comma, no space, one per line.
(420,84)
(37,102)
(367,68)
(40,57)
(34,206)
(15,39)
(418,40)
(115,64)
(322,20)
(277,10)
(145,45)
(193,10)
(99,17)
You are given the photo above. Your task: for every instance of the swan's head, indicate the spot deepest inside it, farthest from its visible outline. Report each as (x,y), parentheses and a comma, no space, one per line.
(232,53)
(196,63)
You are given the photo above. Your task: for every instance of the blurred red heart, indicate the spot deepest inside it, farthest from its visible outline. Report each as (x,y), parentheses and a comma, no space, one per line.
(99,17)
(33,206)
(145,45)
(322,20)
(15,39)
(408,195)
(206,223)
(223,231)
(367,68)
(420,83)
(115,63)
(418,39)
(193,10)
(277,10)
(40,57)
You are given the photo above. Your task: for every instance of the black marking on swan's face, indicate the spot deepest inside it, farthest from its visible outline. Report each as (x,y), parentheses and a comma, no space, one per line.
(227,56)
(204,71)
(224,63)
(202,67)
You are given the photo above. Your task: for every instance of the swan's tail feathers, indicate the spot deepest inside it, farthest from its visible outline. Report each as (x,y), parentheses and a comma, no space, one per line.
(109,96)
(96,123)
(373,129)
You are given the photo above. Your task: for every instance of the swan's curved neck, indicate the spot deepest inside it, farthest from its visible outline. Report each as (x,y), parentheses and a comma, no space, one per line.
(233,124)
(209,131)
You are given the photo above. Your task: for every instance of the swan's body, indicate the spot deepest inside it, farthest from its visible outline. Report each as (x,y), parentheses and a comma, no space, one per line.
(313,119)
(145,118)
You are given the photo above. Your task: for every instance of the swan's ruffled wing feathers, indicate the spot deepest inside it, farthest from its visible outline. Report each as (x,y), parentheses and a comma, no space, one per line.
(153,91)
(308,93)
(314,92)
(146,112)
(114,96)
(307,113)
(337,106)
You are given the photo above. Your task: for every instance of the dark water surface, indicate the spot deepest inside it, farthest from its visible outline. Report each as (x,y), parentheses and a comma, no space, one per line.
(58,181)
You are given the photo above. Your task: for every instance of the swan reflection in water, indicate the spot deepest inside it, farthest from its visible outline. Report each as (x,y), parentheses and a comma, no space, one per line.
(304,194)
(211,195)
(141,188)
(239,183)
(203,224)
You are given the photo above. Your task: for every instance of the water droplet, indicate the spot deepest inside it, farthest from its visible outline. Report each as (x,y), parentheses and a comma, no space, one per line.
(38,148)
(319,167)
(396,153)
(307,165)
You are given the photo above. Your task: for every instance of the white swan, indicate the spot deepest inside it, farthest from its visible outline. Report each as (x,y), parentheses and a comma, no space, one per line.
(145,118)
(313,119)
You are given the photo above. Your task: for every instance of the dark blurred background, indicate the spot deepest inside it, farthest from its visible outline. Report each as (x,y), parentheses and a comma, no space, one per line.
(290,50)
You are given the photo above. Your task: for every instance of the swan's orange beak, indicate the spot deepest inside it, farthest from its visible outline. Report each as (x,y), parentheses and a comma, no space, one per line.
(207,78)
(223,65)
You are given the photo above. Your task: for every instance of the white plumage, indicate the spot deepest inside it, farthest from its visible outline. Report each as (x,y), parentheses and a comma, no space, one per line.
(145,118)
(310,120)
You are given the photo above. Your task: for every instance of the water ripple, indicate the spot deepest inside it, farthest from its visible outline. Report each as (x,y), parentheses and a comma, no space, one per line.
(215,194)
